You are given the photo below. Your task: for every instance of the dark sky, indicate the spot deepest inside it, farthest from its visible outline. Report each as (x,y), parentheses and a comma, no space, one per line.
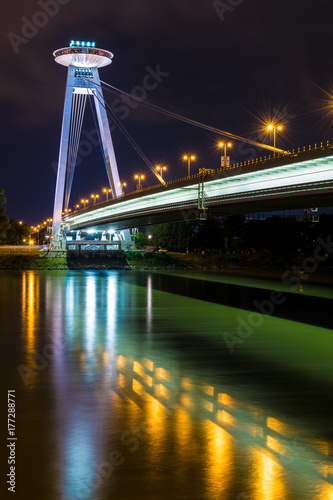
(232,64)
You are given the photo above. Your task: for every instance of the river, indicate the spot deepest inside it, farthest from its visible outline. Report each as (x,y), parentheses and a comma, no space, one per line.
(158,385)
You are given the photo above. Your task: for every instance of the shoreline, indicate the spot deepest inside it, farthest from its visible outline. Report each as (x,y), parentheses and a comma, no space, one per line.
(259,265)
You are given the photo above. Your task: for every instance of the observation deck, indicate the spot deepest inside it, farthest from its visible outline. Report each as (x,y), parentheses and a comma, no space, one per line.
(83,57)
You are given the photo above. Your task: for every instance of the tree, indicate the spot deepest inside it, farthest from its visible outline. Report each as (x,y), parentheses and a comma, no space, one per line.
(209,235)
(177,236)
(16,233)
(4,221)
(141,240)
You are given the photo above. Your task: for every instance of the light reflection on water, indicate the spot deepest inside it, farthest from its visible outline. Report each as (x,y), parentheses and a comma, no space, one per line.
(119,385)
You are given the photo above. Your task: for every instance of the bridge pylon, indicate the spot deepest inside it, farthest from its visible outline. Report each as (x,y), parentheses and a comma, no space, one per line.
(83,61)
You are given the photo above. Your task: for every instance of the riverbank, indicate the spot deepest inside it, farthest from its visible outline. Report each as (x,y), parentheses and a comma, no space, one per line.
(261,264)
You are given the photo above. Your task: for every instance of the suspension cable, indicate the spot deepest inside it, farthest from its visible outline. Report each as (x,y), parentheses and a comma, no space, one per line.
(121,127)
(171,114)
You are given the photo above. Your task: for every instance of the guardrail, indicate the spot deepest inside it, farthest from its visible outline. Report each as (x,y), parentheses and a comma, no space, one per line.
(94,245)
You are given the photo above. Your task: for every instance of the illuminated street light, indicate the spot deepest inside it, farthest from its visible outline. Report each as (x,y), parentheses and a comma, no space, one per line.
(274,128)
(37,229)
(84,203)
(189,158)
(94,197)
(139,177)
(160,169)
(122,185)
(225,160)
(107,191)
(77,206)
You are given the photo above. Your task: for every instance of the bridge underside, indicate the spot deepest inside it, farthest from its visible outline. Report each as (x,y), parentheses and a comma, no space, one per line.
(226,206)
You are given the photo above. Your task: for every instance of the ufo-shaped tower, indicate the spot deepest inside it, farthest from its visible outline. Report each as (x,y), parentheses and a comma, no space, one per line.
(83,60)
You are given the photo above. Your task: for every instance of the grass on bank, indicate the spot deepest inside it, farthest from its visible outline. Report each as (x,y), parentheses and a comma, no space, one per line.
(169,260)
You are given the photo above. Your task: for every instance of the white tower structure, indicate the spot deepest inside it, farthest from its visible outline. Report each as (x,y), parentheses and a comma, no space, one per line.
(83,60)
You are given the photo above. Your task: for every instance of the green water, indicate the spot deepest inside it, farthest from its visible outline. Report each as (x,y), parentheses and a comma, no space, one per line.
(126,388)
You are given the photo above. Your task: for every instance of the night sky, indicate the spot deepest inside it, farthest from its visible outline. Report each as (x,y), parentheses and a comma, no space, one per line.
(232,65)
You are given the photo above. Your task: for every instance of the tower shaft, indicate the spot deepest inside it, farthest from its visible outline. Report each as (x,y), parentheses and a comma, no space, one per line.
(81,83)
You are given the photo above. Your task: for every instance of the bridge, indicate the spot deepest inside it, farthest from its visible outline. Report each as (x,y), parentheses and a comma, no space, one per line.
(282,180)
(300,179)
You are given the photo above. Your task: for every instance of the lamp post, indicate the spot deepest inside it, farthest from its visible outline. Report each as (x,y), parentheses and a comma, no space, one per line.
(225,160)
(188,158)
(122,185)
(107,191)
(274,128)
(139,177)
(84,203)
(160,169)
(94,197)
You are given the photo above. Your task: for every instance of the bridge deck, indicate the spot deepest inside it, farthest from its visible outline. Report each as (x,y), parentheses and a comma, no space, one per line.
(298,180)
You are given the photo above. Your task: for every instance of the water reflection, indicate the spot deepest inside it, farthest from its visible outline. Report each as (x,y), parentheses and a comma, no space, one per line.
(30,316)
(177,428)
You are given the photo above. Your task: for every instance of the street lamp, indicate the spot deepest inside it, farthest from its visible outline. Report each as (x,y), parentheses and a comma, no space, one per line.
(160,169)
(122,185)
(188,158)
(38,229)
(274,128)
(139,177)
(77,206)
(225,160)
(94,197)
(84,203)
(107,191)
